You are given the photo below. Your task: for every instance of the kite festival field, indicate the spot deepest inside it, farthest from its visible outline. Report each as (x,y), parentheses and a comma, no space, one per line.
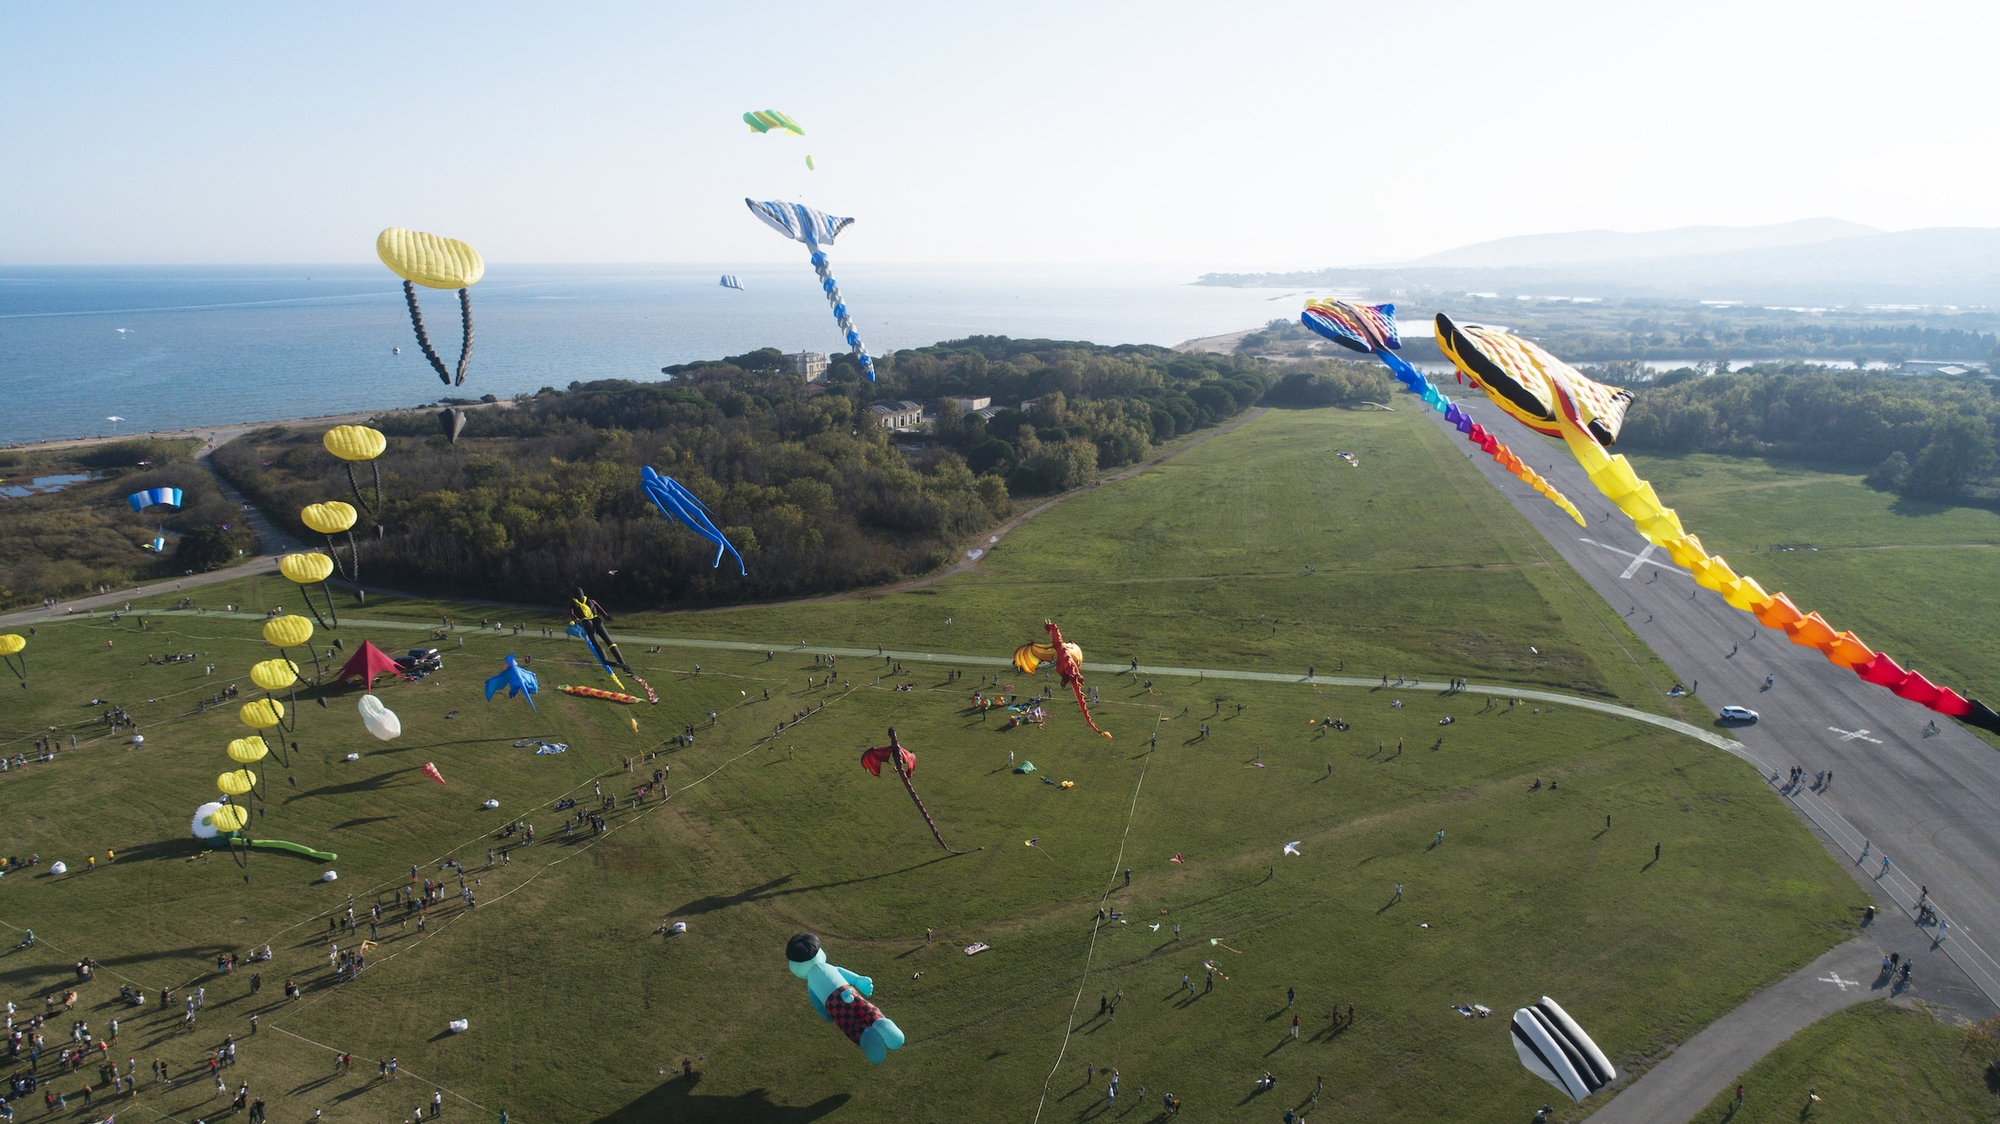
(580,1010)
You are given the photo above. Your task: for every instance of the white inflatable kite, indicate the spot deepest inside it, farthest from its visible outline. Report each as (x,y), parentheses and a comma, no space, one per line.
(1557,1050)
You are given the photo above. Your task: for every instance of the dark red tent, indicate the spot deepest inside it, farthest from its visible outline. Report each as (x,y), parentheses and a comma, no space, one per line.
(368,663)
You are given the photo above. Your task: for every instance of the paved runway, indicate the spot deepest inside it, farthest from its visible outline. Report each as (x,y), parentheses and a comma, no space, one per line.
(1931,805)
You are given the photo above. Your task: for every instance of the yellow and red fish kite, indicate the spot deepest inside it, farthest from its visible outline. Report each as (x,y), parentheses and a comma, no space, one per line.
(1552,397)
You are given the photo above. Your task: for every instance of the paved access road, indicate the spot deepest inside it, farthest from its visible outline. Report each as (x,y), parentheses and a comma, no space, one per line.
(1701,1067)
(1929,803)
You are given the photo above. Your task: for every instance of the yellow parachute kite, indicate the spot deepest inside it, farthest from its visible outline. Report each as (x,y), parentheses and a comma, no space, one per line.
(435,263)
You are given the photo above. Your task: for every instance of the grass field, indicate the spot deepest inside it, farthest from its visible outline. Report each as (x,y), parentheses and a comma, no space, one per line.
(580,1012)
(1879,1062)
(1911,578)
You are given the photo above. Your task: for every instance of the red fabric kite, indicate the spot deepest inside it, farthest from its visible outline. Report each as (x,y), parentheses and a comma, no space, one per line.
(368,663)
(905,763)
(431,771)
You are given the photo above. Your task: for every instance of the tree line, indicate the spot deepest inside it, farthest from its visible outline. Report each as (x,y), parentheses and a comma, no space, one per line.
(1922,437)
(542,493)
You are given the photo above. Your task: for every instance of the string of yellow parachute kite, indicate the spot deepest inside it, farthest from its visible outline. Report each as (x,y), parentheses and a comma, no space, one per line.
(1548,396)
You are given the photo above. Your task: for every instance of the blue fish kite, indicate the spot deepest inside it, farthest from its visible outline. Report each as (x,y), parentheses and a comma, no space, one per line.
(801,223)
(518,681)
(676,502)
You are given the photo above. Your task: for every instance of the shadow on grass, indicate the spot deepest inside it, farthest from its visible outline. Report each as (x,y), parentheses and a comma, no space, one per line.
(367,784)
(680,1100)
(772,889)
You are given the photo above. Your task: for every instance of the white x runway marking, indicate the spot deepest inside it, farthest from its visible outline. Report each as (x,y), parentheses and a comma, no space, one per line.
(1638,560)
(1643,558)
(1850,735)
(1835,979)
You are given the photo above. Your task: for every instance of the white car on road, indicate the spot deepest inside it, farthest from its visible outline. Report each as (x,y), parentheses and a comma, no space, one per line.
(1737,714)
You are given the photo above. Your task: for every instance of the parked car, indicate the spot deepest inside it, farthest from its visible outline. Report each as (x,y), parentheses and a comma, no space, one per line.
(1737,714)
(421,659)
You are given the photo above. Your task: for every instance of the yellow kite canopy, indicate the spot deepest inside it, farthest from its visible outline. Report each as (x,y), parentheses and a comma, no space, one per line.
(1527,382)
(237,782)
(1028,657)
(330,517)
(261,715)
(305,569)
(355,442)
(11,643)
(248,751)
(229,817)
(275,675)
(430,261)
(287,631)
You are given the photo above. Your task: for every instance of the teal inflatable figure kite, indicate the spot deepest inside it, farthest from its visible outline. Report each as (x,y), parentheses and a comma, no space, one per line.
(518,681)
(838,995)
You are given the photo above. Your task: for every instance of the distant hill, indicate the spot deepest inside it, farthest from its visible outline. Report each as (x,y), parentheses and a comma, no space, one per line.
(1611,245)
(1934,266)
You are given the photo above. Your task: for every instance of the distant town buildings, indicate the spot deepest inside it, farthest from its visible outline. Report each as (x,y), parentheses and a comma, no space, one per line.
(898,417)
(810,365)
(973,405)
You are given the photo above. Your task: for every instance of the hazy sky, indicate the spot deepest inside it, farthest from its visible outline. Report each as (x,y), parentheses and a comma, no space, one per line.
(1230,135)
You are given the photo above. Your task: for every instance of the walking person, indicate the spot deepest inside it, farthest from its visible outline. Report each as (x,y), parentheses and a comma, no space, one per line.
(1295,1026)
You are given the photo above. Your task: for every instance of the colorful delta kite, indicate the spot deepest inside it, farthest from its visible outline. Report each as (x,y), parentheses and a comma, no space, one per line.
(1069,666)
(1557,1050)
(764,120)
(1548,394)
(681,505)
(435,263)
(1371,328)
(840,997)
(517,679)
(906,764)
(801,223)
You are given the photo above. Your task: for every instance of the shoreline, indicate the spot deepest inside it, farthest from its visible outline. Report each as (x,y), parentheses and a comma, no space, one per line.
(223,433)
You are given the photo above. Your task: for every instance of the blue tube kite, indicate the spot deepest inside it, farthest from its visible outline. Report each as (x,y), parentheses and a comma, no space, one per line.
(801,223)
(518,681)
(676,502)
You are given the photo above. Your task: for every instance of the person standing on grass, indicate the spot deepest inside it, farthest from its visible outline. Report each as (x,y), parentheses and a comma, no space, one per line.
(1399,891)
(1289,996)
(1295,1026)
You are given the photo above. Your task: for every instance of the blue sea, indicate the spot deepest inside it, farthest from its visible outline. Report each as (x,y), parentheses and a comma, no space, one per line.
(177,347)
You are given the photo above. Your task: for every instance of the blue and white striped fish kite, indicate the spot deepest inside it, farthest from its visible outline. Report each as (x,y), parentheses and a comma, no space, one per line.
(801,223)
(677,503)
